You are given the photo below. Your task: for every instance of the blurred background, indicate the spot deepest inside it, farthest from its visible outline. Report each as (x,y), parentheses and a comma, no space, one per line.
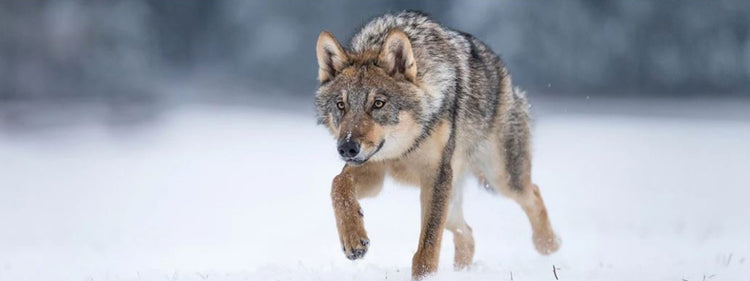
(136,57)
(176,140)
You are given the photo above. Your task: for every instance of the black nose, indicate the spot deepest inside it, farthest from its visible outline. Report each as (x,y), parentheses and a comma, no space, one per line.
(348,149)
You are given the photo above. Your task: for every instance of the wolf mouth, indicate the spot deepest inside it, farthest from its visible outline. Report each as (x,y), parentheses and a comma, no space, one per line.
(357,162)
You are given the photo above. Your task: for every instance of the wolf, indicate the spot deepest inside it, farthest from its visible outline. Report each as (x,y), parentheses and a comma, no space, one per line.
(426,105)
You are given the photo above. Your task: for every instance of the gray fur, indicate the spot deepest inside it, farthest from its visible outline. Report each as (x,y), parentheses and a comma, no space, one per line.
(463,74)
(467,77)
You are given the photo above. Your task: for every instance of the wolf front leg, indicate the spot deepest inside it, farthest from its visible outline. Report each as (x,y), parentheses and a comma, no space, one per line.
(350,185)
(435,200)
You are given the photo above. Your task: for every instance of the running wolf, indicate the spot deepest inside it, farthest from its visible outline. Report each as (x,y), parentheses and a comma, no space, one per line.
(426,105)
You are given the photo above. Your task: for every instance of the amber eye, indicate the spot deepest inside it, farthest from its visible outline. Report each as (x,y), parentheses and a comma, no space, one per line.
(378,104)
(340,105)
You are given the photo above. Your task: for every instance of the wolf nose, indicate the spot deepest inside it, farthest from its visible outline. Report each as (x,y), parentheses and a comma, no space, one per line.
(348,149)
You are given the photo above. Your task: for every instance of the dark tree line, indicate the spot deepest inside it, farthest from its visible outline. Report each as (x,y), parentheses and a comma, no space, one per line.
(132,50)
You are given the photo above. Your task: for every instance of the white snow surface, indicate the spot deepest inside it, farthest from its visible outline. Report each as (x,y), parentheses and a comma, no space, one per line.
(231,193)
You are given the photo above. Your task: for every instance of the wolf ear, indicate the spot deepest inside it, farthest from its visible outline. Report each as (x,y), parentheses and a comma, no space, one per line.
(396,56)
(331,57)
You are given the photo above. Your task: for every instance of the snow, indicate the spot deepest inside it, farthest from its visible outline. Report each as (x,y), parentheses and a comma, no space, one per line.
(235,193)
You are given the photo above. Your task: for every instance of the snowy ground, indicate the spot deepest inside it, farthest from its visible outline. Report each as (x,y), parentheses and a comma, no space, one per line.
(236,193)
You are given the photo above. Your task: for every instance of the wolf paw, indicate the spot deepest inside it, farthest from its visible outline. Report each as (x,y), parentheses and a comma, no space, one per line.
(423,265)
(546,244)
(355,244)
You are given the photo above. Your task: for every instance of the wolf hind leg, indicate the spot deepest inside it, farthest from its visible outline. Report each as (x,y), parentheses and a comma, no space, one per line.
(463,238)
(511,176)
(545,240)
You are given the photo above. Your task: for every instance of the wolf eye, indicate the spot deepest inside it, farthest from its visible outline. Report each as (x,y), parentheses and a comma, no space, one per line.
(340,105)
(378,104)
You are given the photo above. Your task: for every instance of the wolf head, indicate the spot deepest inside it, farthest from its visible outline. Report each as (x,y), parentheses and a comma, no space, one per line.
(370,101)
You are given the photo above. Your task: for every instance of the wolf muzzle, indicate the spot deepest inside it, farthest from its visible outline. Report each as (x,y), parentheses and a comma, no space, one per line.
(348,149)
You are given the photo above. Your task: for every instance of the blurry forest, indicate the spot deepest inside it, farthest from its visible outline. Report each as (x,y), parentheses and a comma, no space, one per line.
(160,51)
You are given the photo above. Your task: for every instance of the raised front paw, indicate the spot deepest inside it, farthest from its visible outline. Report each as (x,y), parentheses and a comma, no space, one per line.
(354,242)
